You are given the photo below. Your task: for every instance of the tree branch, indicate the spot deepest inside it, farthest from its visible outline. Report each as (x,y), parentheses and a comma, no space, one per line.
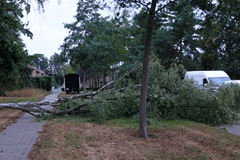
(161,8)
(38,109)
(137,66)
(139,2)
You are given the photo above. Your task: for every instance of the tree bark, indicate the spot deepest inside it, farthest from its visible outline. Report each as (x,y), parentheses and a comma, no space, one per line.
(84,80)
(104,78)
(93,81)
(143,99)
(38,109)
(99,81)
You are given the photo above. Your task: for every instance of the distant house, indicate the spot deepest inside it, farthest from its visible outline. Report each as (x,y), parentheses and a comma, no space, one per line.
(36,72)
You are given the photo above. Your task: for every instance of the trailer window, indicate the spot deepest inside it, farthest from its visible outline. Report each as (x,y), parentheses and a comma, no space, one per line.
(219,80)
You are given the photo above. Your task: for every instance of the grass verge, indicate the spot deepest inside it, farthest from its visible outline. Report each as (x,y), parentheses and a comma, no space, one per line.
(9,116)
(118,139)
(24,95)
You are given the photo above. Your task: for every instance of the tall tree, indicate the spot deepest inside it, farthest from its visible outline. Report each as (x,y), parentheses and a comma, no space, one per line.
(143,98)
(14,58)
(220,37)
(41,62)
(55,64)
(95,43)
(153,7)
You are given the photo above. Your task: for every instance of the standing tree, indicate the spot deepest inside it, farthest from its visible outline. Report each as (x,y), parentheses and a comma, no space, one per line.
(14,58)
(56,64)
(220,38)
(153,7)
(95,43)
(41,62)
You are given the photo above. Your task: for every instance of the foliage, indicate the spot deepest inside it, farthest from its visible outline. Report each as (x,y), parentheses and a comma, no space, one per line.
(56,68)
(14,58)
(55,64)
(41,62)
(96,43)
(46,82)
(125,105)
(178,33)
(2,93)
(169,98)
(219,38)
(179,99)
(67,69)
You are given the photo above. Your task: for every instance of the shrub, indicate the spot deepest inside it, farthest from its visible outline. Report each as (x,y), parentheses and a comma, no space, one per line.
(45,82)
(2,93)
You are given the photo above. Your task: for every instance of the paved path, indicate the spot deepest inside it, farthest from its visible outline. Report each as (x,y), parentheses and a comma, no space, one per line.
(234,129)
(17,140)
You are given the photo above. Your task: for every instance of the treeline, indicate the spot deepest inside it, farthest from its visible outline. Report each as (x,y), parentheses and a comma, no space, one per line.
(13,55)
(14,58)
(201,36)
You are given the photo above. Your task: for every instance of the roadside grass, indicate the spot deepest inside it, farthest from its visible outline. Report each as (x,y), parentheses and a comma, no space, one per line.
(24,95)
(9,116)
(75,138)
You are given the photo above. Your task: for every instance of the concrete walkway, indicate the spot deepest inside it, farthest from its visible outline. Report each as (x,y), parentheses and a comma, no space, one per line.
(17,140)
(234,129)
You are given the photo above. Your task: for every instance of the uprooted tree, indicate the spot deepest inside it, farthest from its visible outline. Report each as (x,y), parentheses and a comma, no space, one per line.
(169,97)
(35,107)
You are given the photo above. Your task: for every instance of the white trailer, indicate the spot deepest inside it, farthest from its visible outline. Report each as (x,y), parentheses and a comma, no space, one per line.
(205,77)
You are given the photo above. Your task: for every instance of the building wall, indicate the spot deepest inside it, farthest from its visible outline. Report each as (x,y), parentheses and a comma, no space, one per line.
(36,73)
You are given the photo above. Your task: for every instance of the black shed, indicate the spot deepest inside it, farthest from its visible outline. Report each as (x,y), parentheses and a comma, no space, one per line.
(72,83)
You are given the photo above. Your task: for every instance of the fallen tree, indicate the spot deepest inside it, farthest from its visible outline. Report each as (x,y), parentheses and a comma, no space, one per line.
(35,107)
(31,108)
(169,97)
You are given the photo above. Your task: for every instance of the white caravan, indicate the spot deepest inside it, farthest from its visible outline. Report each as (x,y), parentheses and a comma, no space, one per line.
(205,77)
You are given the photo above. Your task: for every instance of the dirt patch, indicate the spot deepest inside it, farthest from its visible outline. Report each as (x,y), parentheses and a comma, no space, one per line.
(8,116)
(69,140)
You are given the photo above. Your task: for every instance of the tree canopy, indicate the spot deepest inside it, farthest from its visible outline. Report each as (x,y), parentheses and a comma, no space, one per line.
(14,57)
(197,34)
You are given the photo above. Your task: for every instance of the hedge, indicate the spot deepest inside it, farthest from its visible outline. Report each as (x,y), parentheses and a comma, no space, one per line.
(45,82)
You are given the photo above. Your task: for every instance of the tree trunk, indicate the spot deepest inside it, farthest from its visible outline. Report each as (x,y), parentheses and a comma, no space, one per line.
(143,99)
(94,81)
(84,80)
(93,85)
(104,78)
(99,82)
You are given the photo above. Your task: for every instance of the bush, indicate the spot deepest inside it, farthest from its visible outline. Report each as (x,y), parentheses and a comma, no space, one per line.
(125,105)
(45,82)
(2,93)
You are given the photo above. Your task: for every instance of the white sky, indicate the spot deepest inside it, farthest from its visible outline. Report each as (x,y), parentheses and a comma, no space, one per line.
(47,28)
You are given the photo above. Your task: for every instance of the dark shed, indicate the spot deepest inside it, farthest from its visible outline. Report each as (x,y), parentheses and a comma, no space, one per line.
(72,83)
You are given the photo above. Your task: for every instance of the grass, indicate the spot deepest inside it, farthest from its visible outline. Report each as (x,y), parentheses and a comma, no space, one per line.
(24,95)
(74,138)
(133,122)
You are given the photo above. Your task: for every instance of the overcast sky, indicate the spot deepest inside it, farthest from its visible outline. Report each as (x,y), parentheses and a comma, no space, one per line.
(47,28)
